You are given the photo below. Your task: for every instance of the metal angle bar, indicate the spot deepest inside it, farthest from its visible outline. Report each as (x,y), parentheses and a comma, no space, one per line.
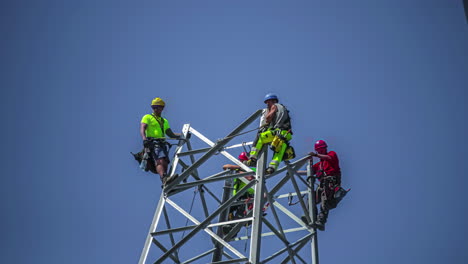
(312,213)
(293,217)
(302,180)
(227,255)
(171,237)
(202,150)
(194,166)
(185,131)
(245,219)
(199,256)
(240,145)
(219,145)
(279,185)
(192,152)
(296,251)
(282,237)
(255,242)
(283,169)
(215,178)
(211,233)
(276,232)
(281,251)
(173,230)
(296,188)
(201,191)
(154,224)
(226,154)
(192,159)
(280,234)
(273,209)
(239,260)
(194,174)
(164,249)
(289,194)
(296,229)
(234,230)
(185,186)
(206,222)
(223,216)
(275,216)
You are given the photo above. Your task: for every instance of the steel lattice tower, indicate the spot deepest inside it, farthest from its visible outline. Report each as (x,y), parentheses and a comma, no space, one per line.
(220,245)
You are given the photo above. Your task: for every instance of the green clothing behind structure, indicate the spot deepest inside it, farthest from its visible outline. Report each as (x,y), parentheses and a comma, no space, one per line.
(239,184)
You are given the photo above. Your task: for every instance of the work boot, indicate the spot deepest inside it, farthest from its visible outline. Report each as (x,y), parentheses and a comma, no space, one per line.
(269,170)
(321,221)
(319,225)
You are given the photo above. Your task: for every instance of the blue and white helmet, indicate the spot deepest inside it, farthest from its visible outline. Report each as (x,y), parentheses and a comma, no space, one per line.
(270,96)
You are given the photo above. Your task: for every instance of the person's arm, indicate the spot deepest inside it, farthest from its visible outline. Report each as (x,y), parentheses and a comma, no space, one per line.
(271,114)
(172,134)
(143,127)
(320,156)
(230,167)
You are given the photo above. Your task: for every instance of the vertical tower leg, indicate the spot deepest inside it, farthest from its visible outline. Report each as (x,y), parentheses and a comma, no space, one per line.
(218,253)
(312,212)
(255,243)
(154,224)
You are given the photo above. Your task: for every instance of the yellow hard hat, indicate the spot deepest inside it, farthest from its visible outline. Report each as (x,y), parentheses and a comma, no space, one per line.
(158,101)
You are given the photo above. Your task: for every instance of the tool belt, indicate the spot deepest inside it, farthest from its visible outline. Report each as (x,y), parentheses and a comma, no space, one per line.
(158,143)
(145,156)
(281,137)
(331,187)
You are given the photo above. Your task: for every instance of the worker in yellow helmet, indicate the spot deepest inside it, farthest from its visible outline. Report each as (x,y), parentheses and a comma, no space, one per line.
(153,131)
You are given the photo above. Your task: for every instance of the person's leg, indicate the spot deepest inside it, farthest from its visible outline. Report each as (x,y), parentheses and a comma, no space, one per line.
(161,164)
(280,150)
(263,138)
(323,215)
(161,167)
(277,158)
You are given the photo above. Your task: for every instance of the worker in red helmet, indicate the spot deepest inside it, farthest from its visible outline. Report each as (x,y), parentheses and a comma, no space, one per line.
(328,172)
(239,211)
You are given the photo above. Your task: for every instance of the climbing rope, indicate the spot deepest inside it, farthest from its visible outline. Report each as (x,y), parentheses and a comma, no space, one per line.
(290,199)
(240,133)
(190,211)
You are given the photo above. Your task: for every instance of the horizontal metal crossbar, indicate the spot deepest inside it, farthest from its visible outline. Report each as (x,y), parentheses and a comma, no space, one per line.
(240,260)
(199,256)
(203,150)
(296,229)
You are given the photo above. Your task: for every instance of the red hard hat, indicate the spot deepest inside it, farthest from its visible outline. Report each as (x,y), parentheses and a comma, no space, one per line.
(320,144)
(243,156)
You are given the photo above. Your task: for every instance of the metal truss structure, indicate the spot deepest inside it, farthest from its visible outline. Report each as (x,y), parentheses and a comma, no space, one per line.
(221,247)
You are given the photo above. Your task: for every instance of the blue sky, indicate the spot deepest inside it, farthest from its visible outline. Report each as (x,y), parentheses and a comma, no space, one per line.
(384,82)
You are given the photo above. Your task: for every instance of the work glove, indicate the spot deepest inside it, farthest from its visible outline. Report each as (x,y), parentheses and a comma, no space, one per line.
(313,154)
(147,143)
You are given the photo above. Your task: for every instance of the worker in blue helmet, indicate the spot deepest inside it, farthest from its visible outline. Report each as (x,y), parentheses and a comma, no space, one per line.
(276,131)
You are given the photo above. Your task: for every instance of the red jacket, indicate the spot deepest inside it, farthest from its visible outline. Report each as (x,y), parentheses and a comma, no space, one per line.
(330,167)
